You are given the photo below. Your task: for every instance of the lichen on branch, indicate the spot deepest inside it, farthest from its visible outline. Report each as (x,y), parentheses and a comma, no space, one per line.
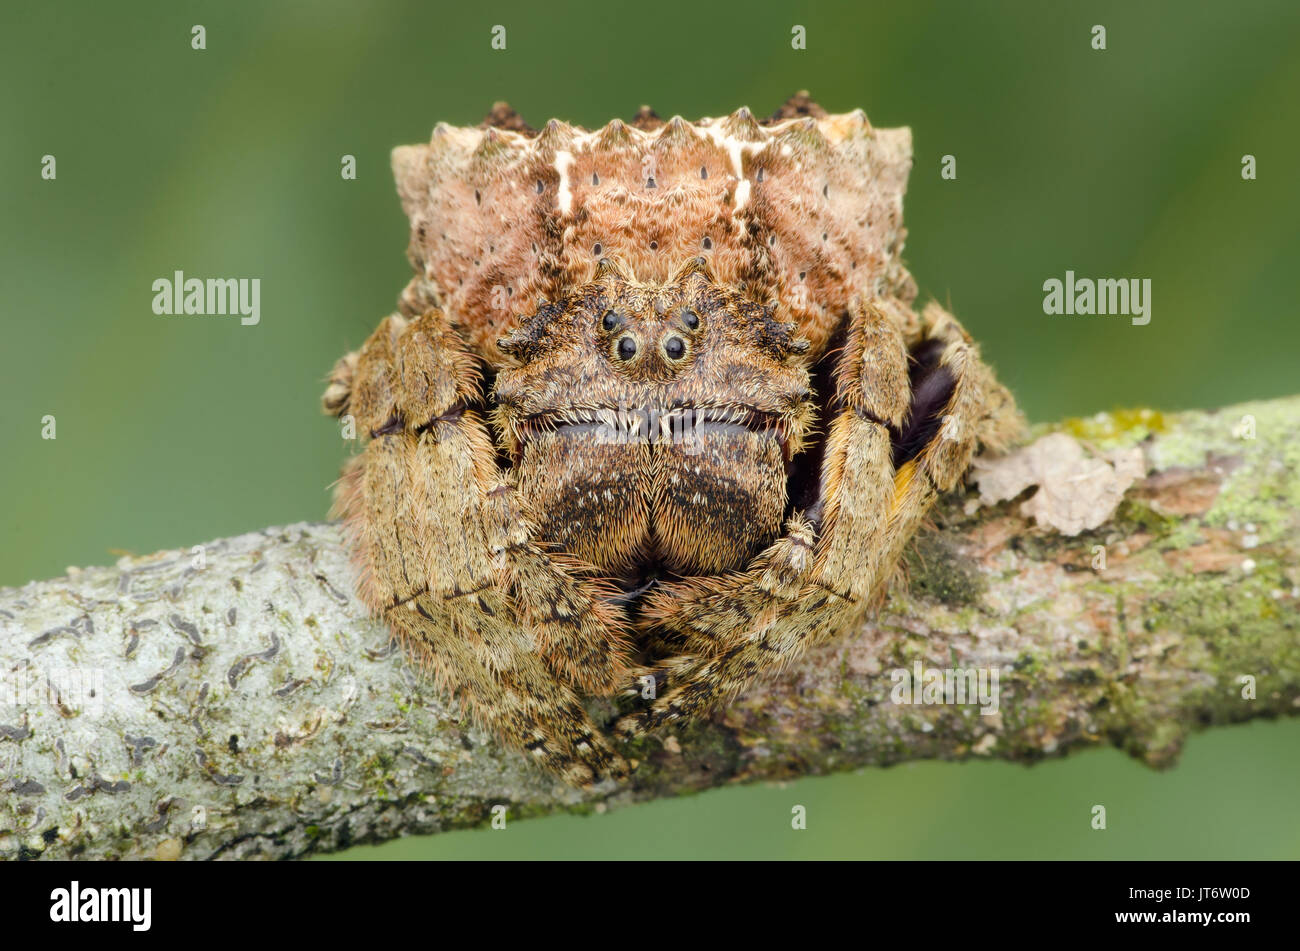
(232,700)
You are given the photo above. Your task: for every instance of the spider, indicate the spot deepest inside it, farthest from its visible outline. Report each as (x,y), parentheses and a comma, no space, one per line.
(655,414)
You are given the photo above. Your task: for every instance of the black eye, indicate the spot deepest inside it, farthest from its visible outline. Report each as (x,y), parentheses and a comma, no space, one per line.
(674,347)
(626,348)
(690,318)
(610,320)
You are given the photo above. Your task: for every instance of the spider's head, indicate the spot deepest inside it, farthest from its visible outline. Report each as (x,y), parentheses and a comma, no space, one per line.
(654,422)
(689,343)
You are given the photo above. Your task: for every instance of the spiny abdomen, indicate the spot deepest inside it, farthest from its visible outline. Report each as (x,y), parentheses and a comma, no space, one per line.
(805,209)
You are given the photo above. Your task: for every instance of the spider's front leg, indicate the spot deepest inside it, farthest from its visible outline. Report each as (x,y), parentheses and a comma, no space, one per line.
(446,556)
(908,417)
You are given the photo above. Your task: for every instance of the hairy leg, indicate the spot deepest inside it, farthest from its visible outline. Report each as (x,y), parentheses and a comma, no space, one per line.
(445,553)
(906,426)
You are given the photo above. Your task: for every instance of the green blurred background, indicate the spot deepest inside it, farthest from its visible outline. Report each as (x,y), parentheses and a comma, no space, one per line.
(221,162)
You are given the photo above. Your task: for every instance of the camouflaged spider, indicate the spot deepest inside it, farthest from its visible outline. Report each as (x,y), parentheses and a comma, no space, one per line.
(526,517)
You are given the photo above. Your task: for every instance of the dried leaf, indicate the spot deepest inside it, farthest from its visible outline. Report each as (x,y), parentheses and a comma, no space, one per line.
(1076,491)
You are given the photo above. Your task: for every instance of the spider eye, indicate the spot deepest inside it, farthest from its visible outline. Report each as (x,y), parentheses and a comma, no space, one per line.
(674,348)
(610,320)
(626,348)
(690,318)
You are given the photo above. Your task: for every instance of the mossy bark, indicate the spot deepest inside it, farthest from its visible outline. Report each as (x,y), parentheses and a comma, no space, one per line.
(234,701)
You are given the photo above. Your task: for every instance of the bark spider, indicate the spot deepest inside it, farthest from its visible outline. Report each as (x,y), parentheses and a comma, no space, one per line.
(530,515)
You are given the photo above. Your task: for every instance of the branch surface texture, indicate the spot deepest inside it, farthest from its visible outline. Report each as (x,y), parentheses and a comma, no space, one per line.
(1128,578)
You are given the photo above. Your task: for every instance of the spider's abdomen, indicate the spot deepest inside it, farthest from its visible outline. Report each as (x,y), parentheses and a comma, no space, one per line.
(805,209)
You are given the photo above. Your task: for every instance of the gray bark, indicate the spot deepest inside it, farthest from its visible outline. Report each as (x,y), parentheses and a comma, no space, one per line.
(233,700)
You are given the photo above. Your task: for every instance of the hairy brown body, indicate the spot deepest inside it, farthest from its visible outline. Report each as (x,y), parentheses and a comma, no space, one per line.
(673,360)
(651,424)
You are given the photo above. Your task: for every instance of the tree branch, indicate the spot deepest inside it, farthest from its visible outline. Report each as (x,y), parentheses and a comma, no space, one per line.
(233,700)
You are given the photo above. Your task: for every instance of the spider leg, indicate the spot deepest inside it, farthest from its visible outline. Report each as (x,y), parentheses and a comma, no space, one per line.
(958,406)
(905,429)
(445,555)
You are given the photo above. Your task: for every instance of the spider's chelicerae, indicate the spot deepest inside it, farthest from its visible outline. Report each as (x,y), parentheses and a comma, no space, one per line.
(655,411)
